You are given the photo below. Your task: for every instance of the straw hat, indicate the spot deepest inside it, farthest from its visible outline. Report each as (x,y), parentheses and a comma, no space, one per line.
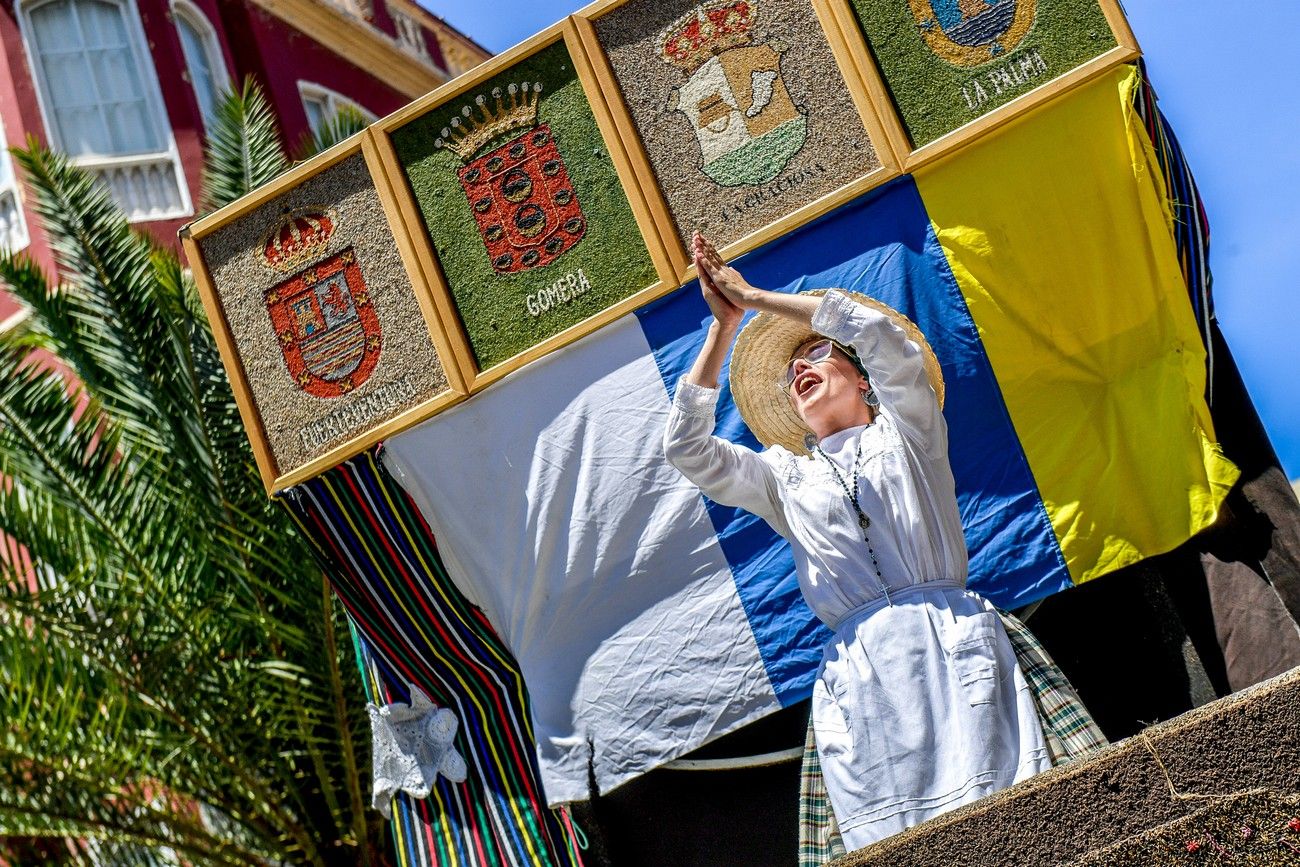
(763,349)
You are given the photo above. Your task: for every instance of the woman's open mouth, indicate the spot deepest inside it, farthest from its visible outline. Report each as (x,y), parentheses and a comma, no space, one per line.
(806,382)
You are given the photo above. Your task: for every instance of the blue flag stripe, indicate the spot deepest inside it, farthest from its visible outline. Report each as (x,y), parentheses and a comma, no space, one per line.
(881,245)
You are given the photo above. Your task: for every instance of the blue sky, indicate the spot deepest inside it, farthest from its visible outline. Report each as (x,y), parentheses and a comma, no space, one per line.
(1228,77)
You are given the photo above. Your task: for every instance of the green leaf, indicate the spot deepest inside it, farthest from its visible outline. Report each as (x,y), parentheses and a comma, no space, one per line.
(244,150)
(345,123)
(173,689)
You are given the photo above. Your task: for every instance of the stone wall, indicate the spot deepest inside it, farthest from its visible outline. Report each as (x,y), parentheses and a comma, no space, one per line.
(1147,791)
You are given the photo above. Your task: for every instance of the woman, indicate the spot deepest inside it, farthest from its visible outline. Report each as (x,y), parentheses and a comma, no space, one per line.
(919,706)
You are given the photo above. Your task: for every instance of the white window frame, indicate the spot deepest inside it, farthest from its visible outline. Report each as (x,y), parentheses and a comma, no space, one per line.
(193,16)
(410,35)
(333,99)
(153,97)
(12,187)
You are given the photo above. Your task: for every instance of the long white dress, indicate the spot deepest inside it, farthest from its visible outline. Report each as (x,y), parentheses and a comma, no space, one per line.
(918,706)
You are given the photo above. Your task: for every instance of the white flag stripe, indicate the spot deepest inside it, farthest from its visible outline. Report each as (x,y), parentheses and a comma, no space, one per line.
(556,512)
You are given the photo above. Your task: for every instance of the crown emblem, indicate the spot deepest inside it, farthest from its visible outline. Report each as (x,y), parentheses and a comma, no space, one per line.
(515,108)
(301,236)
(707,30)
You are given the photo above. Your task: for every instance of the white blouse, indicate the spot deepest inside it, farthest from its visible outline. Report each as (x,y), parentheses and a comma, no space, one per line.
(906,486)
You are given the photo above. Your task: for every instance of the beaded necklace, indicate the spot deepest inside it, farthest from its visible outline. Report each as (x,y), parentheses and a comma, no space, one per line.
(863,521)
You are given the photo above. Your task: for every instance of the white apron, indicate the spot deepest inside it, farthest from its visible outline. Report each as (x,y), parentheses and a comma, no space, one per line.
(920,707)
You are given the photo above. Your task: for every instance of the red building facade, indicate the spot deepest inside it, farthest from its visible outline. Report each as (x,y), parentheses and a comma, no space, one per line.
(124,87)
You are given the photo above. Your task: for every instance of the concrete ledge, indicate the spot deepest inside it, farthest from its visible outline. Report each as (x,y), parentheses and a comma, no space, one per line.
(1247,741)
(1251,829)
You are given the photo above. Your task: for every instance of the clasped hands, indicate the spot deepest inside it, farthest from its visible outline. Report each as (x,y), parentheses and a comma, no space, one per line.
(725,291)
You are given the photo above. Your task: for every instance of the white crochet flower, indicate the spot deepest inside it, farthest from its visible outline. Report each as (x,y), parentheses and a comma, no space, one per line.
(412,745)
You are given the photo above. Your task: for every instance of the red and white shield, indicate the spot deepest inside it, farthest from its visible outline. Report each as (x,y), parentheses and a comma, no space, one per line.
(326,327)
(523,202)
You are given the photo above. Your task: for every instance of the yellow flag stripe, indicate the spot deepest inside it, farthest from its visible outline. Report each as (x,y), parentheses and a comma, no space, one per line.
(1060,236)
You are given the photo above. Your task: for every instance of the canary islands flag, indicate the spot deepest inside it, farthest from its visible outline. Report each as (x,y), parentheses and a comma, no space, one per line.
(647,620)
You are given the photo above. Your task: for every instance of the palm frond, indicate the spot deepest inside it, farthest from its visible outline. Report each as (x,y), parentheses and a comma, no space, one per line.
(166,647)
(244,150)
(344,123)
(102,323)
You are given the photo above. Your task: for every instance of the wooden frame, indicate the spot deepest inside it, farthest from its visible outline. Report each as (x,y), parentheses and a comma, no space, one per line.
(420,256)
(853,43)
(274,477)
(632,166)
(868,113)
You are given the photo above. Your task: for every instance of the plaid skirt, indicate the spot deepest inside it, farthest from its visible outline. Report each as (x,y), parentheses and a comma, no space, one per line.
(1068,731)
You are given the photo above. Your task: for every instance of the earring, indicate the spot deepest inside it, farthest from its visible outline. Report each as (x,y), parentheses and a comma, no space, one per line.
(870,399)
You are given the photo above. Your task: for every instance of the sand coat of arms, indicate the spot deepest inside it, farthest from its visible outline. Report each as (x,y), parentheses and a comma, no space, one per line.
(523,202)
(971,32)
(324,323)
(735,97)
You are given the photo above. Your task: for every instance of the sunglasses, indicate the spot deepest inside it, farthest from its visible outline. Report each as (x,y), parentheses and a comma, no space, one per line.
(815,353)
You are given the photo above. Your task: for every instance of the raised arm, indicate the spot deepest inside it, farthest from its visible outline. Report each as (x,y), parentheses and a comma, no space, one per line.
(894,363)
(727,473)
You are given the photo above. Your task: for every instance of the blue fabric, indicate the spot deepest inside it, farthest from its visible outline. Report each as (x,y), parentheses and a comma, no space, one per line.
(881,245)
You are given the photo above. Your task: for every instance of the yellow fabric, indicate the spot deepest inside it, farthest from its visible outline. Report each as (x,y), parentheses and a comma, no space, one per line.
(1059,234)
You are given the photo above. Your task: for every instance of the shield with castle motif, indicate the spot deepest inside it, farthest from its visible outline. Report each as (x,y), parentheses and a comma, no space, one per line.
(971,32)
(747,126)
(326,327)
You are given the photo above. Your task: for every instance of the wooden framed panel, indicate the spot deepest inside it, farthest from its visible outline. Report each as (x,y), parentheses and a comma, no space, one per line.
(740,112)
(328,345)
(952,70)
(522,206)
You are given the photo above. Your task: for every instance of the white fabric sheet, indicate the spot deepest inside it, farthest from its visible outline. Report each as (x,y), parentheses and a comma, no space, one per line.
(556,512)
